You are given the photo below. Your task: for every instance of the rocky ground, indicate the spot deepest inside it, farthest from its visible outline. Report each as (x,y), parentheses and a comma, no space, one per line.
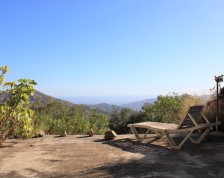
(82,156)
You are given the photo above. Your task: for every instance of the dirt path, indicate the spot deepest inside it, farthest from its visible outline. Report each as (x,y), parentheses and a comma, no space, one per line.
(80,156)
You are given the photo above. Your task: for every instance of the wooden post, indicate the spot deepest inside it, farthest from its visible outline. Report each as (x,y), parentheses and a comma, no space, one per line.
(218,79)
(217,104)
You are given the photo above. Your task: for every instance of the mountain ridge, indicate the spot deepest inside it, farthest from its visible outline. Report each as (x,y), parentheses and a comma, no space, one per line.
(44,97)
(137,105)
(104,107)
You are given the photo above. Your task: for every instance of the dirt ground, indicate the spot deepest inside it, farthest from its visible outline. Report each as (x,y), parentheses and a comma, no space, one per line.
(82,156)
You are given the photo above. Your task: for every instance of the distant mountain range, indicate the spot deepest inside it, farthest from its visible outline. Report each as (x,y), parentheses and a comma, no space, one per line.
(104,107)
(108,108)
(137,105)
(43,98)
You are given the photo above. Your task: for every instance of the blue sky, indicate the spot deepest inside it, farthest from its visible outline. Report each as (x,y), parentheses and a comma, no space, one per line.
(113,48)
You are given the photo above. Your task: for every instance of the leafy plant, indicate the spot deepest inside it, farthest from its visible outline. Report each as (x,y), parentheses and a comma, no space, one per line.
(165,109)
(15,114)
(119,120)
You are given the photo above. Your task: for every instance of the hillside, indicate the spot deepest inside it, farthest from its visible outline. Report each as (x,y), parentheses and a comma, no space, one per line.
(104,107)
(43,98)
(138,104)
(46,98)
(101,107)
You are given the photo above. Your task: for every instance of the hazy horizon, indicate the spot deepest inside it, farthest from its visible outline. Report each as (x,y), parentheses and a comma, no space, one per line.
(113,100)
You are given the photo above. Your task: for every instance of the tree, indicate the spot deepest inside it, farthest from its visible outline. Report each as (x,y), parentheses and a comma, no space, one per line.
(15,114)
(119,120)
(165,109)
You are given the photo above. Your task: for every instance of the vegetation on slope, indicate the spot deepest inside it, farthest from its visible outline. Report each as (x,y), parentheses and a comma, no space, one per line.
(22,114)
(55,117)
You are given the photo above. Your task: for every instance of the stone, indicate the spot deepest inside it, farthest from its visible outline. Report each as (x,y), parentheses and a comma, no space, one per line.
(2,139)
(63,134)
(90,133)
(110,135)
(40,133)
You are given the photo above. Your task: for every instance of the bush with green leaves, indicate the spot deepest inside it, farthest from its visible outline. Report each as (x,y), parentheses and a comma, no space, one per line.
(170,109)
(15,113)
(119,120)
(165,109)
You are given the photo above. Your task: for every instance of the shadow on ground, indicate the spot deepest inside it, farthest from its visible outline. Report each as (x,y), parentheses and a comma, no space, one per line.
(203,160)
(8,145)
(142,160)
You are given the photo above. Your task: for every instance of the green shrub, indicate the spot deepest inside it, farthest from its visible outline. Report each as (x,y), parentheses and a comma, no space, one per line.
(15,113)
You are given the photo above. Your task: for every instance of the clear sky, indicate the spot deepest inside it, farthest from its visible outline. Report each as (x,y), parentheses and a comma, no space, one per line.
(113,48)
